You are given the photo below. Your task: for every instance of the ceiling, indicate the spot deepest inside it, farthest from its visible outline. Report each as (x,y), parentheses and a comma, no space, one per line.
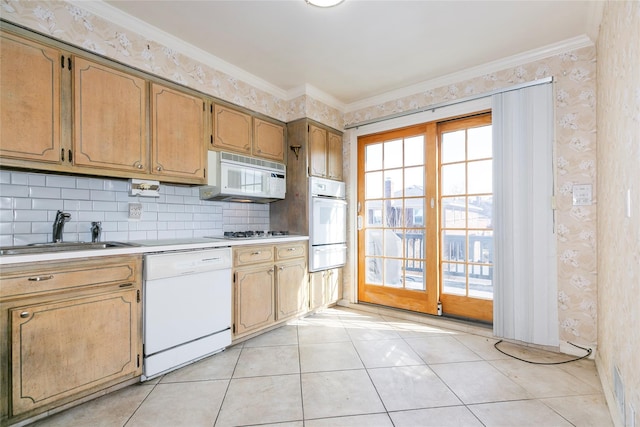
(364,48)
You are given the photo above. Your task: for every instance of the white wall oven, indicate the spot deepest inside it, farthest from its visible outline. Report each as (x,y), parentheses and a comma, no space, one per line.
(327,224)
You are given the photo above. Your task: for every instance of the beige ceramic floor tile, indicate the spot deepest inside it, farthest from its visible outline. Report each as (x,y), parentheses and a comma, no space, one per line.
(584,369)
(408,329)
(442,350)
(411,387)
(193,403)
(478,382)
(482,346)
(584,411)
(220,366)
(261,400)
(543,381)
(113,409)
(285,335)
(333,394)
(371,420)
(265,361)
(453,416)
(518,413)
(387,353)
(329,357)
(314,334)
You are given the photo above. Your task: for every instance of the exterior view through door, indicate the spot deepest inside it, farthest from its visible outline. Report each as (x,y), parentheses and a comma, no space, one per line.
(424,213)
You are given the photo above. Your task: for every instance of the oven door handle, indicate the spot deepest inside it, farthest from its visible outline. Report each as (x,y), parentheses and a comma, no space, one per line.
(327,249)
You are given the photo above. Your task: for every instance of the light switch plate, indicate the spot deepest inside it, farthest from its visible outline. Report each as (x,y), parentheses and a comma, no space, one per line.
(582,194)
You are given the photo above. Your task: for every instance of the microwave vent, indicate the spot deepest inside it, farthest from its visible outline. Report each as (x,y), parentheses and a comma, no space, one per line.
(237,158)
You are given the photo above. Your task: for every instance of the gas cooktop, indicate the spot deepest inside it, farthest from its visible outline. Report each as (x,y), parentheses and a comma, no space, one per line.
(254,234)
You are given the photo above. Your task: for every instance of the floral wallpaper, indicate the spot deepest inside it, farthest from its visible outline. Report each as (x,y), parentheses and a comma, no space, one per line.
(618,234)
(575,91)
(74,25)
(575,158)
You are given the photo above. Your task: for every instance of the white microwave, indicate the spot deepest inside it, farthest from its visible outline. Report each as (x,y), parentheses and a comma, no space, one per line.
(238,178)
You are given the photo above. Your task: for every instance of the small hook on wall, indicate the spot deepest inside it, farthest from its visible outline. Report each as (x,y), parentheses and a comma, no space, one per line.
(295,149)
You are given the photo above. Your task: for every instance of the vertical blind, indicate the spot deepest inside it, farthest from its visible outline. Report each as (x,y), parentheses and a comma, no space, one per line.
(525,271)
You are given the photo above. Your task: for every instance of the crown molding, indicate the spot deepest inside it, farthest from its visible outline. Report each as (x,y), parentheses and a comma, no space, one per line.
(144,29)
(317,94)
(478,71)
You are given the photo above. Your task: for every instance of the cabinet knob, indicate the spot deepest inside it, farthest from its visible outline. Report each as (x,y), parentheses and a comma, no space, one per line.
(159,168)
(139,166)
(271,270)
(24,314)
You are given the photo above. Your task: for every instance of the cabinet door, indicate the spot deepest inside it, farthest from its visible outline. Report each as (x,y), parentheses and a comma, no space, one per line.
(291,289)
(29,100)
(317,151)
(268,140)
(110,113)
(231,130)
(332,285)
(177,125)
(334,156)
(254,299)
(63,348)
(316,289)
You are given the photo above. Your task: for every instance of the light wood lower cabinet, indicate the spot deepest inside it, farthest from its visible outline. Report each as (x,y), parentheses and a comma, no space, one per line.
(270,285)
(324,287)
(68,329)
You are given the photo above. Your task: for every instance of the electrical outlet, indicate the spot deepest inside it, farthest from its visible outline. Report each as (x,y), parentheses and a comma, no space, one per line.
(135,210)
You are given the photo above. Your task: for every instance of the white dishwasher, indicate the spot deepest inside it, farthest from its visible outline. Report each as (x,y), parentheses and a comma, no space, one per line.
(187,307)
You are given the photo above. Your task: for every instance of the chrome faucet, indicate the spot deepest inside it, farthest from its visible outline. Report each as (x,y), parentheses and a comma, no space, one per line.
(96,229)
(58,225)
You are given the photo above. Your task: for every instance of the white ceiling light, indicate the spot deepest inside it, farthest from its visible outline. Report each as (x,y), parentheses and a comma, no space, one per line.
(324,3)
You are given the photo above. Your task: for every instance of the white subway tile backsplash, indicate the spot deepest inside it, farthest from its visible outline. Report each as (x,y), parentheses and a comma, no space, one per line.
(29,201)
(60,181)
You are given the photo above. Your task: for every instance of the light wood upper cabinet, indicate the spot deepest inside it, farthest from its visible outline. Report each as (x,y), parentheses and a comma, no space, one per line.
(240,132)
(177,134)
(110,114)
(30,76)
(334,156)
(268,140)
(231,130)
(317,151)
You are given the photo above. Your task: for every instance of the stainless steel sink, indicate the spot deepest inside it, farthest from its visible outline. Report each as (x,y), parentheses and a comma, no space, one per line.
(37,248)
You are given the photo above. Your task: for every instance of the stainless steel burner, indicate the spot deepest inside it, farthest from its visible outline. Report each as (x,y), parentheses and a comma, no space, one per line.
(254,234)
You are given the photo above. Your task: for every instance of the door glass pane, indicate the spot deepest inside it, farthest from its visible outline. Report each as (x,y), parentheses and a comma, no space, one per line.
(393,183)
(414,212)
(454,212)
(480,246)
(393,154)
(393,273)
(374,270)
(393,241)
(453,179)
(414,151)
(414,182)
(373,157)
(373,185)
(373,242)
(480,211)
(452,146)
(454,279)
(393,213)
(373,213)
(454,245)
(480,177)
(479,143)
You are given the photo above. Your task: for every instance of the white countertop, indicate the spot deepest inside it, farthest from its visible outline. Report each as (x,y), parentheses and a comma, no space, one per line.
(148,246)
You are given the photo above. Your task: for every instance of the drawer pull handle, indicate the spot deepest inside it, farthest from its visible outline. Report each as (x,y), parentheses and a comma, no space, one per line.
(40,278)
(24,314)
(256,253)
(126,285)
(291,249)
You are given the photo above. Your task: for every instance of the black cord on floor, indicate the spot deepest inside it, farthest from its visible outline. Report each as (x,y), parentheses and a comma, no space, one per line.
(588,350)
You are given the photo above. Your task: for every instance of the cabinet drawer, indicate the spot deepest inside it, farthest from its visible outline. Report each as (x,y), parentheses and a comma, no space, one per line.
(253,255)
(293,250)
(56,276)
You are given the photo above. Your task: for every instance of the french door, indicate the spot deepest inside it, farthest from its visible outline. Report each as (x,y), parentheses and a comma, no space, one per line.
(424,218)
(397,219)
